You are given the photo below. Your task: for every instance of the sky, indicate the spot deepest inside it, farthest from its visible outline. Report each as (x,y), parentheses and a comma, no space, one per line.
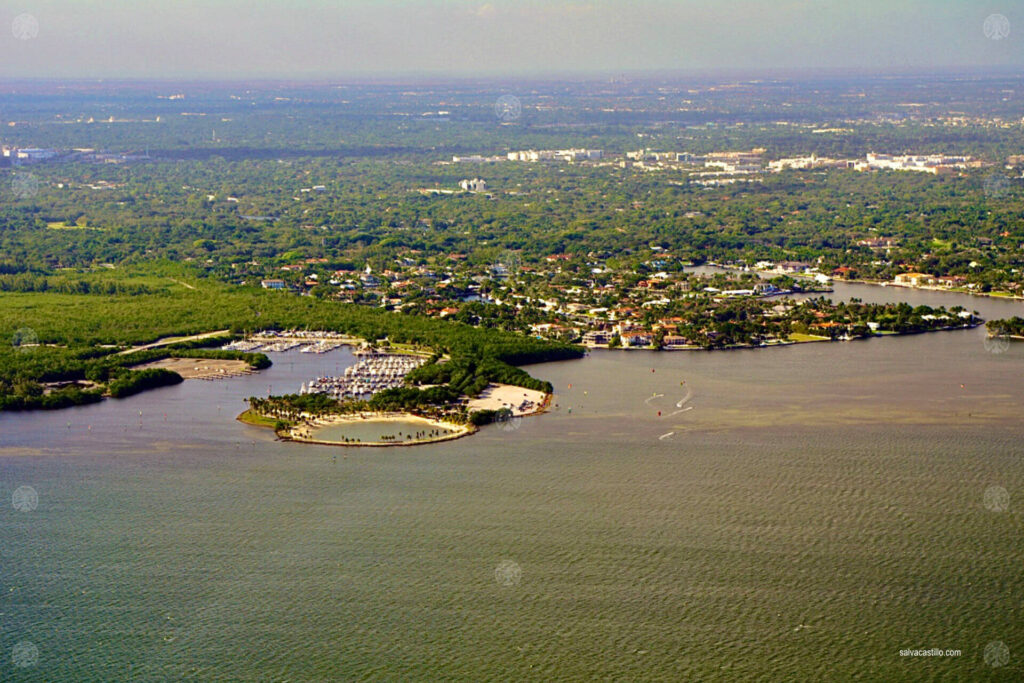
(314,39)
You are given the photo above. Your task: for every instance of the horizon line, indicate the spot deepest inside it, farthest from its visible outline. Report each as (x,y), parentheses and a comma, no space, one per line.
(750,74)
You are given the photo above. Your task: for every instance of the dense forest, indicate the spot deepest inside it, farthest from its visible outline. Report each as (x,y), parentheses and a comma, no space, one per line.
(74,336)
(371,213)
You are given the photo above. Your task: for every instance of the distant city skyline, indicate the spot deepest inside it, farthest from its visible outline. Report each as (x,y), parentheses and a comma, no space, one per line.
(310,39)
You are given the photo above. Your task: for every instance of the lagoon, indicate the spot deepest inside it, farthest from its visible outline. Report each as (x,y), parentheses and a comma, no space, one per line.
(380,430)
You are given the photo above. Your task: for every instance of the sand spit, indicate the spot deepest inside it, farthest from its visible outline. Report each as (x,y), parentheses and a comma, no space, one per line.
(201,368)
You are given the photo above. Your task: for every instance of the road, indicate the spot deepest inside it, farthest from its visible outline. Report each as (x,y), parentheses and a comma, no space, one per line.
(173,340)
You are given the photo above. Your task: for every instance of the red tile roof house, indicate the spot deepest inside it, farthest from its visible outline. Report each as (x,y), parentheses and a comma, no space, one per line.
(637,339)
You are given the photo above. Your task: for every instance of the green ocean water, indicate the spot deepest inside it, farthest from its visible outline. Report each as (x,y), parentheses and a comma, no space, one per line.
(805,514)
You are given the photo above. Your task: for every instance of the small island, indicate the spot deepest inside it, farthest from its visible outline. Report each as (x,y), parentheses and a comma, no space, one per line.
(1006,328)
(713,323)
(398,416)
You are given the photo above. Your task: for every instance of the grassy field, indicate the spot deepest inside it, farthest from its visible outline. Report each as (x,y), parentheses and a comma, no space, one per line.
(62,225)
(255,419)
(800,337)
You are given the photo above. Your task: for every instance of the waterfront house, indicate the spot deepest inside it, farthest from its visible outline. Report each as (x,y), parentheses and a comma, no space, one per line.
(951,280)
(672,341)
(914,279)
(793,267)
(637,339)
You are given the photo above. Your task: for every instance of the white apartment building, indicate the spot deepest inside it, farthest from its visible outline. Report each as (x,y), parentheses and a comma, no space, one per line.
(474,185)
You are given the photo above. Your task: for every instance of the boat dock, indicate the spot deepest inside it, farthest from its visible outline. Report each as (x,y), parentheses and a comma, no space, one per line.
(374,373)
(305,341)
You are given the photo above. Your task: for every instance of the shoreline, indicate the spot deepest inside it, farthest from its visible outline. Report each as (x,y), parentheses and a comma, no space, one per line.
(876,283)
(497,396)
(201,368)
(303,431)
(788,342)
(968,292)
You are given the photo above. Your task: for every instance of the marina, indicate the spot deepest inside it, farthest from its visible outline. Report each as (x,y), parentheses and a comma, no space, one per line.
(373,373)
(305,341)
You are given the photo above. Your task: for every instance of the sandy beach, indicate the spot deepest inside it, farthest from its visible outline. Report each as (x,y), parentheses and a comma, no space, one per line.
(201,368)
(519,400)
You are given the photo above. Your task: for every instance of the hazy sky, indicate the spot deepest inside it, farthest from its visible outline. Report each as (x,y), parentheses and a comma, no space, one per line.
(319,38)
